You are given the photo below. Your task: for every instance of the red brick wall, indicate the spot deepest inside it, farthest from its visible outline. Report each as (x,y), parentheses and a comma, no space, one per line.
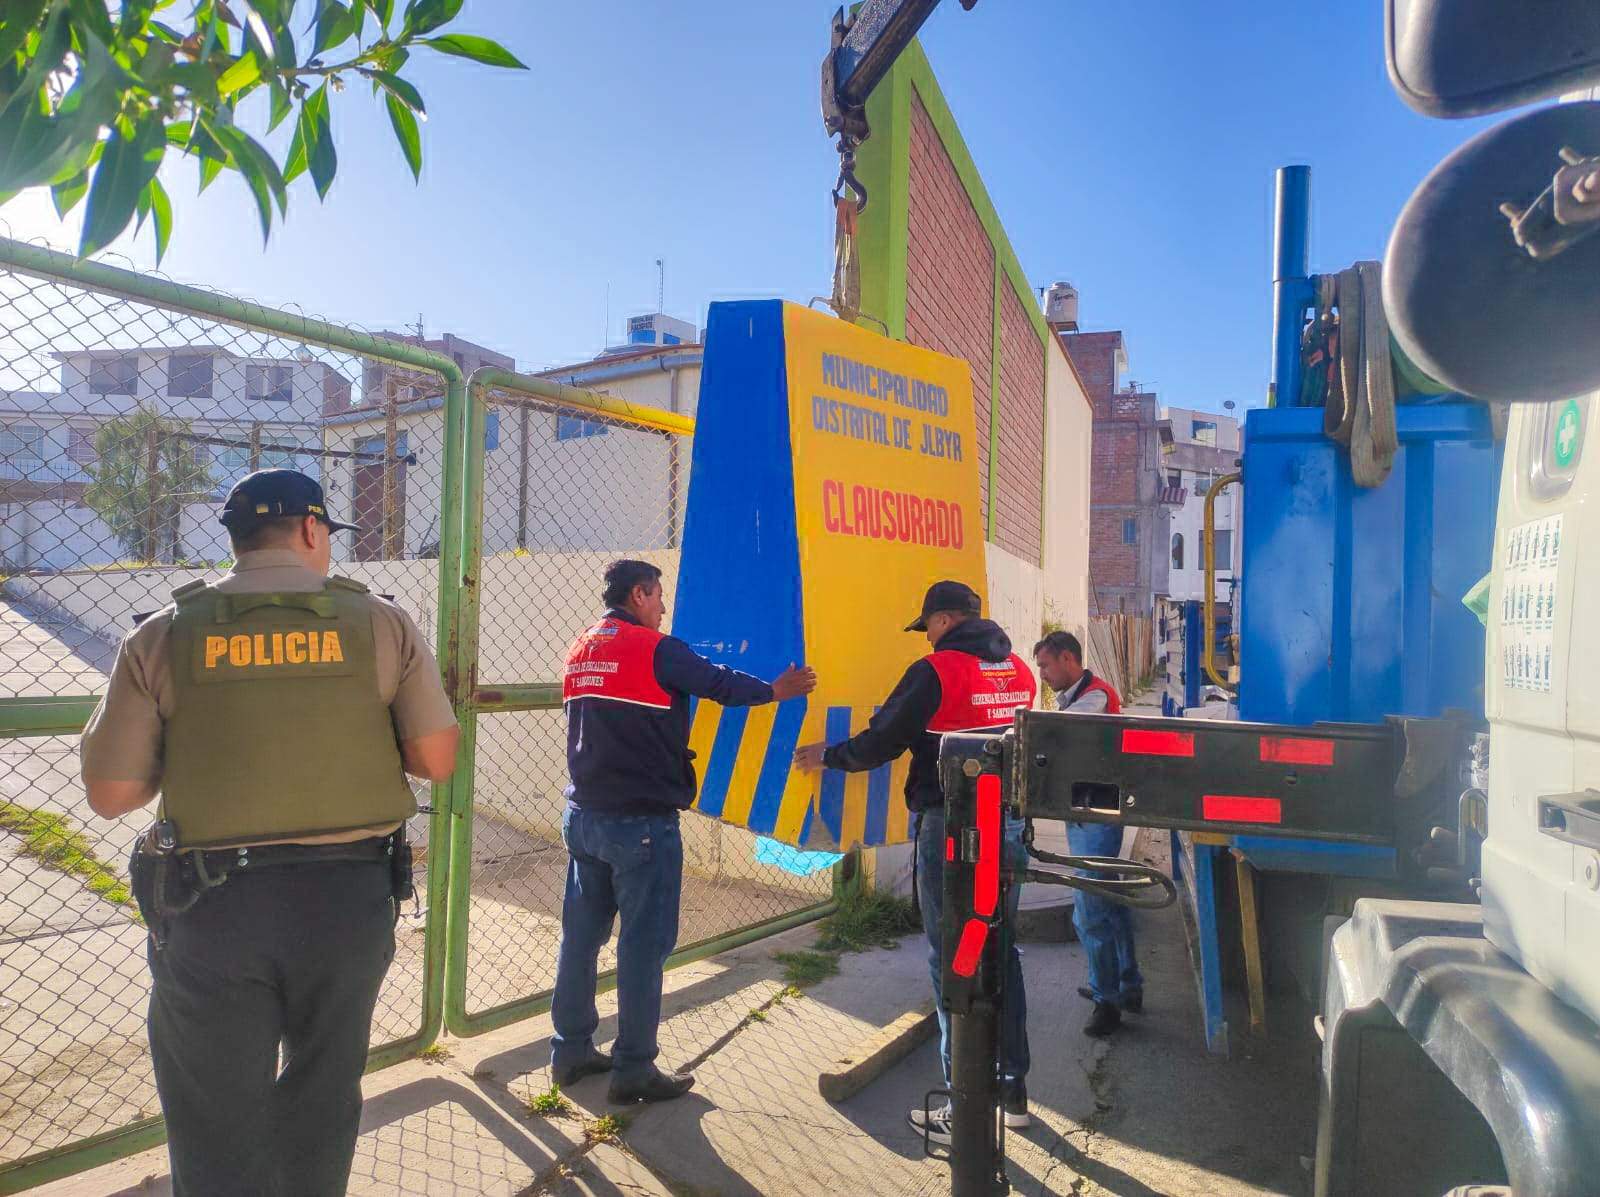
(1113,562)
(1019,476)
(949,271)
(1114,464)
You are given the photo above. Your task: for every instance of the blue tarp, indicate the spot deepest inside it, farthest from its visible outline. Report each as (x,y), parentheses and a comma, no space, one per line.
(794,860)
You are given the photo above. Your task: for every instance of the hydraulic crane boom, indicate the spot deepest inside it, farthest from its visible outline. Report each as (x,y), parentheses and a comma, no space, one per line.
(863,49)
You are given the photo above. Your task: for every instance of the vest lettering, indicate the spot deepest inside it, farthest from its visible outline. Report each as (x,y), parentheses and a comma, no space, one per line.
(314,643)
(615,661)
(238,651)
(216,649)
(331,649)
(979,695)
(294,648)
(277,648)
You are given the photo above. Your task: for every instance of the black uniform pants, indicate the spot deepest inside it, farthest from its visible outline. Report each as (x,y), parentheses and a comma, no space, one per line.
(290,957)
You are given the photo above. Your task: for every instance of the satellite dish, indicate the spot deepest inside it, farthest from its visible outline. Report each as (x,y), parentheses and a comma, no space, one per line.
(1227,405)
(1471,306)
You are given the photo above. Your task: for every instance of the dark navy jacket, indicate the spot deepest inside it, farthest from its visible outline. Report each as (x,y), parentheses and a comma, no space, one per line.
(635,760)
(902,721)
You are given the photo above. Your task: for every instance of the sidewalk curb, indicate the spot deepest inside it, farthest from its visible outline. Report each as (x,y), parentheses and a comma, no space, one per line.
(876,1054)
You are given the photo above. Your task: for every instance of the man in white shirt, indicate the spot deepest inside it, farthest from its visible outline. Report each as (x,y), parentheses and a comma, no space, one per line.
(1105,928)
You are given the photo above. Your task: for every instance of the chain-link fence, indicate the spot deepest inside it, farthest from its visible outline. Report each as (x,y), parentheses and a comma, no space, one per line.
(123,422)
(128,406)
(568,490)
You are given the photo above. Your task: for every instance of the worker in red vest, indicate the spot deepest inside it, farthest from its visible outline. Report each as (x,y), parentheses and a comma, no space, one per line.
(626,691)
(1105,928)
(970,682)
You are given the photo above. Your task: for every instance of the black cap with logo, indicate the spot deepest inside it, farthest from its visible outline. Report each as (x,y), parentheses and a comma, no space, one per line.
(946,596)
(267,494)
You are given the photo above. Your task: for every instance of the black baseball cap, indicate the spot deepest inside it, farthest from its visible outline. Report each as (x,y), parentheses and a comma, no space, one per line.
(946,596)
(267,494)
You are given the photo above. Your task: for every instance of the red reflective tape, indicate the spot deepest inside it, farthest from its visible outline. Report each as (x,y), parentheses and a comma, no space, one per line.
(1287,750)
(1147,742)
(969,950)
(986,877)
(1232,808)
(949,848)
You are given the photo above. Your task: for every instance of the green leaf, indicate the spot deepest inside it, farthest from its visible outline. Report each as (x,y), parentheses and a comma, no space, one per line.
(424,16)
(126,165)
(295,163)
(258,30)
(400,89)
(161,209)
(320,156)
(210,168)
(260,172)
(383,10)
(282,104)
(66,195)
(244,71)
(479,49)
(405,132)
(93,17)
(335,25)
(136,16)
(22,18)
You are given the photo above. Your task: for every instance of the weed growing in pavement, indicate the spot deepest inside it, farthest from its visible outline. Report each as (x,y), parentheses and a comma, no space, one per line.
(867,920)
(604,1129)
(801,969)
(51,840)
(550,1103)
(437,1054)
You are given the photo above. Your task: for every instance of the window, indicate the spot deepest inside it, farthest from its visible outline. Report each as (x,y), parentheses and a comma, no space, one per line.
(21,450)
(114,376)
(1130,531)
(571,428)
(491,431)
(279,459)
(1177,550)
(1205,432)
(270,382)
(1222,548)
(189,375)
(1175,479)
(80,447)
(229,463)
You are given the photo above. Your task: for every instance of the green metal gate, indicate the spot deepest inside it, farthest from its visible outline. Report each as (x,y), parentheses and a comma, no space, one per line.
(593,478)
(127,403)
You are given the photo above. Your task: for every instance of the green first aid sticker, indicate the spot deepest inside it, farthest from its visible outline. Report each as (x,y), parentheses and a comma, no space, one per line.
(1568,434)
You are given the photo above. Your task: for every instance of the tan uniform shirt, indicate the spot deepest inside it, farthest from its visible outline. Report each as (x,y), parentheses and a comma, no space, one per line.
(123,738)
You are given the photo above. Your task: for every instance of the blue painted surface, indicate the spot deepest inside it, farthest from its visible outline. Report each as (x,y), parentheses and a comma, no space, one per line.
(740,520)
(794,860)
(1350,599)
(1292,291)
(830,801)
(1193,870)
(1317,856)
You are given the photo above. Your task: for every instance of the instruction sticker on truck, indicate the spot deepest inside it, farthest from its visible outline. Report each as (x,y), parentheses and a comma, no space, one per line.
(1530,567)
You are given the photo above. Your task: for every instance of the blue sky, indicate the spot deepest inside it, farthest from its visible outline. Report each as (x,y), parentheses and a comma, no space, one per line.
(1128,148)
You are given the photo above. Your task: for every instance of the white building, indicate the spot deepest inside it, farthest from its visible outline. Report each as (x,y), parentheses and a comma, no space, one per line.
(1197,448)
(553,481)
(217,408)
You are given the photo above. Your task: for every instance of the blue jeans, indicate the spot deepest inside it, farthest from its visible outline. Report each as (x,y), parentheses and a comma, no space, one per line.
(930,896)
(627,864)
(1104,927)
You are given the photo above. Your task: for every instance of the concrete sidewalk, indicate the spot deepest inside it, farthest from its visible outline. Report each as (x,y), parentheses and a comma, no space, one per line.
(1144,1113)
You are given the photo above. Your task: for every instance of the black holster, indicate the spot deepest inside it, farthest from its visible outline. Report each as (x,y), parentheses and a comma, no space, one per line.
(401,869)
(164,880)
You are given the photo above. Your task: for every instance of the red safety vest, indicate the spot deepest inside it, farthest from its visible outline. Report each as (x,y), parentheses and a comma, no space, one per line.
(615,660)
(1113,703)
(976,694)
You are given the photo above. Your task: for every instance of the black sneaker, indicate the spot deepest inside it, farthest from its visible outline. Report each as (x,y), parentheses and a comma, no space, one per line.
(593,1064)
(1132,1002)
(1105,1019)
(654,1085)
(933,1124)
(1086,993)
(1015,1103)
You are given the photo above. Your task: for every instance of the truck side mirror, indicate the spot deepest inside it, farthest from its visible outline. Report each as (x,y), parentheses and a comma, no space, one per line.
(1458,58)
(1492,276)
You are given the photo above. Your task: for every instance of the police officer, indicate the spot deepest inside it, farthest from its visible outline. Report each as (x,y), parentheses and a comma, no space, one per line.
(971,681)
(627,690)
(1105,928)
(276,712)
